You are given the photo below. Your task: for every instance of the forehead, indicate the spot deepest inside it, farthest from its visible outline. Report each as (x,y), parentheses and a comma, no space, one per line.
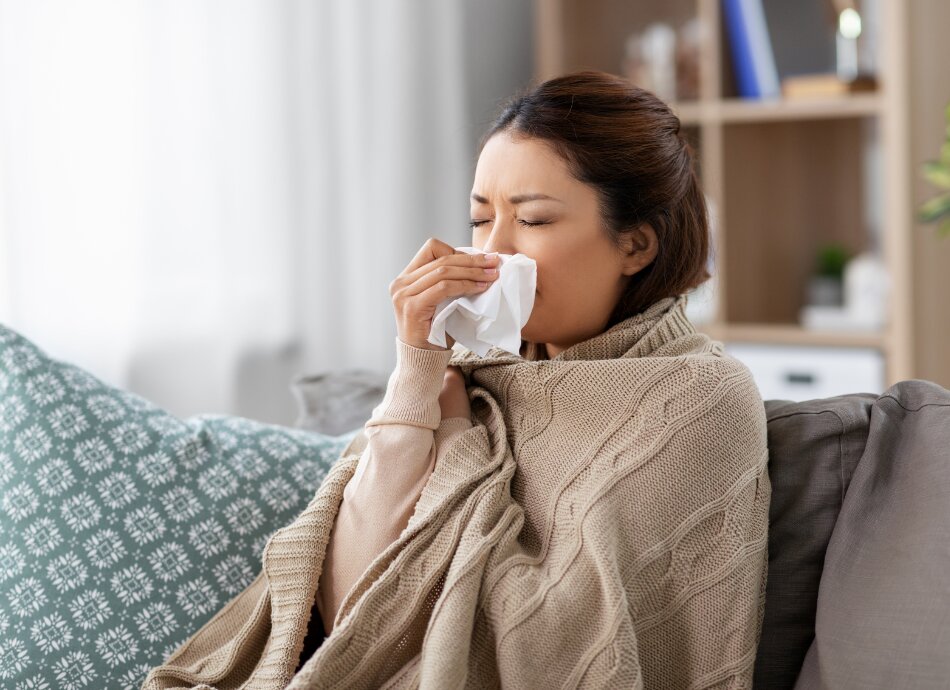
(515,165)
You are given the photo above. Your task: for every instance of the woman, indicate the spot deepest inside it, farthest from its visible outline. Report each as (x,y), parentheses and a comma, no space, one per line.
(593,512)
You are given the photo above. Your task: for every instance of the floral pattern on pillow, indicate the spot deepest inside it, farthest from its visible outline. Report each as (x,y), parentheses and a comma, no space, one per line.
(123,529)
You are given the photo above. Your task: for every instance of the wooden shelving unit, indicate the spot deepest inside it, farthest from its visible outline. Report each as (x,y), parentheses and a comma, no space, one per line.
(788,175)
(733,110)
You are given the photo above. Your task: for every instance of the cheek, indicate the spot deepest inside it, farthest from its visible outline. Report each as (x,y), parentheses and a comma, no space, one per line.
(556,270)
(555,277)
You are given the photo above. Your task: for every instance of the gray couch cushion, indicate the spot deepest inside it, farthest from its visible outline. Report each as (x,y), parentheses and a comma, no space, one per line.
(827,456)
(814,446)
(884,603)
(335,403)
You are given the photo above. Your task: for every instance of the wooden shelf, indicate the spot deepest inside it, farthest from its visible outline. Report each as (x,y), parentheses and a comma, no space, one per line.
(692,112)
(785,177)
(859,105)
(735,110)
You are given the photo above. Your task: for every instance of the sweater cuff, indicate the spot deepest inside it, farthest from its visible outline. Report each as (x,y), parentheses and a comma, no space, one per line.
(412,394)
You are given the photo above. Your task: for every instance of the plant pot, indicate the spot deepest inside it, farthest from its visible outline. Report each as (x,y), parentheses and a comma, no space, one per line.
(825,291)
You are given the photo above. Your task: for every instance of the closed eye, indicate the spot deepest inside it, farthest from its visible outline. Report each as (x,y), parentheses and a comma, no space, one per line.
(475,223)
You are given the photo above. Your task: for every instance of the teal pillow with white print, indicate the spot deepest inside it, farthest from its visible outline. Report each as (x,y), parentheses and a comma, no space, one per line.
(123,528)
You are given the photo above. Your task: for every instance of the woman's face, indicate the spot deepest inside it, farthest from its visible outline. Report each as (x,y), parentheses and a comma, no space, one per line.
(581,273)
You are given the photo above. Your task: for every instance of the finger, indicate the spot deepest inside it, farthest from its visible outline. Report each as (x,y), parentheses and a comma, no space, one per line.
(472,262)
(447,289)
(430,251)
(469,275)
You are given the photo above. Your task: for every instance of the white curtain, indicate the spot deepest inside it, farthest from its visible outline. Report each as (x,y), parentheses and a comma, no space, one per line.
(200,199)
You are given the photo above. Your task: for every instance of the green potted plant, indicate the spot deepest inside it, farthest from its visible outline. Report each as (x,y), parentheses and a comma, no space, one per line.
(825,287)
(937,173)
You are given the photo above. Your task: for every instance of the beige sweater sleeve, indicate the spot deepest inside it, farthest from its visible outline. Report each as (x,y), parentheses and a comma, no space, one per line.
(405,434)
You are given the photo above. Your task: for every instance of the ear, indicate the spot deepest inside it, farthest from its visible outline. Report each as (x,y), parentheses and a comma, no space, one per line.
(640,247)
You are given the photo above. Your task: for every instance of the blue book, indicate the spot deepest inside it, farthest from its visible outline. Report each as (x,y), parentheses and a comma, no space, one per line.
(751,49)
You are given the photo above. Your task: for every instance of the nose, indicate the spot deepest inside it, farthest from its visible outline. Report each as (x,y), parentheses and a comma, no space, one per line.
(498,241)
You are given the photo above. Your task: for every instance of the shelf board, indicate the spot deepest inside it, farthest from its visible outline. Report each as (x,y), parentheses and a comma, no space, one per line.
(737,110)
(791,334)
(858,105)
(690,112)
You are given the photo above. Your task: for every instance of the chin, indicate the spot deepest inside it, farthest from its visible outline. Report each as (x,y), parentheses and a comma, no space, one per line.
(527,333)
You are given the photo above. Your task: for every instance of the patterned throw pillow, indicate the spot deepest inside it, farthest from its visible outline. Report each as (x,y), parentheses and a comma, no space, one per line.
(123,528)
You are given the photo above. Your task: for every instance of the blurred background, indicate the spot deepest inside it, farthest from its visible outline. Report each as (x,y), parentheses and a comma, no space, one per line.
(200,201)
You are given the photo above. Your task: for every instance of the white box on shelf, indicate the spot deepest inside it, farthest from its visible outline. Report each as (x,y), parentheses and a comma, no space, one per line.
(802,372)
(841,319)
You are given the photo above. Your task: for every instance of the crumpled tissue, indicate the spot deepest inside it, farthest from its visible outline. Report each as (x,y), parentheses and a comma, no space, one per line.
(493,317)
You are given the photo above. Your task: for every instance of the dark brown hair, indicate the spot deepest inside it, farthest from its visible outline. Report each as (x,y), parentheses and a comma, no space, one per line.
(626,143)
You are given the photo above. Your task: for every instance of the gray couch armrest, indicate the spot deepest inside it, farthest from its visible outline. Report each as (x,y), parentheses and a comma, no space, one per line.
(884,602)
(335,403)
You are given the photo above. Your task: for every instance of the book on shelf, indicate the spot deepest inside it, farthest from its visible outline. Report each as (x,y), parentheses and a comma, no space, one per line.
(772,42)
(752,58)
(823,85)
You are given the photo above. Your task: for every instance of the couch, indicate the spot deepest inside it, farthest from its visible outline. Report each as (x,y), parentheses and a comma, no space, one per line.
(858,591)
(123,528)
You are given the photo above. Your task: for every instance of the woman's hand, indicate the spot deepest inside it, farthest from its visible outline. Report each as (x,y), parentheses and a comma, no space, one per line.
(454,398)
(436,273)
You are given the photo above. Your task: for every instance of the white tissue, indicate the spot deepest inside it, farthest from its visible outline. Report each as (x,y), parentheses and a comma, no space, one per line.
(493,317)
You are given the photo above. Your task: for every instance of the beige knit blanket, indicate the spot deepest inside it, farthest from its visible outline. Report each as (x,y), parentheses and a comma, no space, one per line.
(602,525)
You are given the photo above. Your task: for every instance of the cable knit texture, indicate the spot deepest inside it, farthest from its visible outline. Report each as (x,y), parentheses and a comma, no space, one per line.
(405,436)
(419,373)
(603,523)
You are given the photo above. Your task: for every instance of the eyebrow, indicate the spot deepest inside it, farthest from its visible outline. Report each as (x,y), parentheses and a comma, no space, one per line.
(517,199)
